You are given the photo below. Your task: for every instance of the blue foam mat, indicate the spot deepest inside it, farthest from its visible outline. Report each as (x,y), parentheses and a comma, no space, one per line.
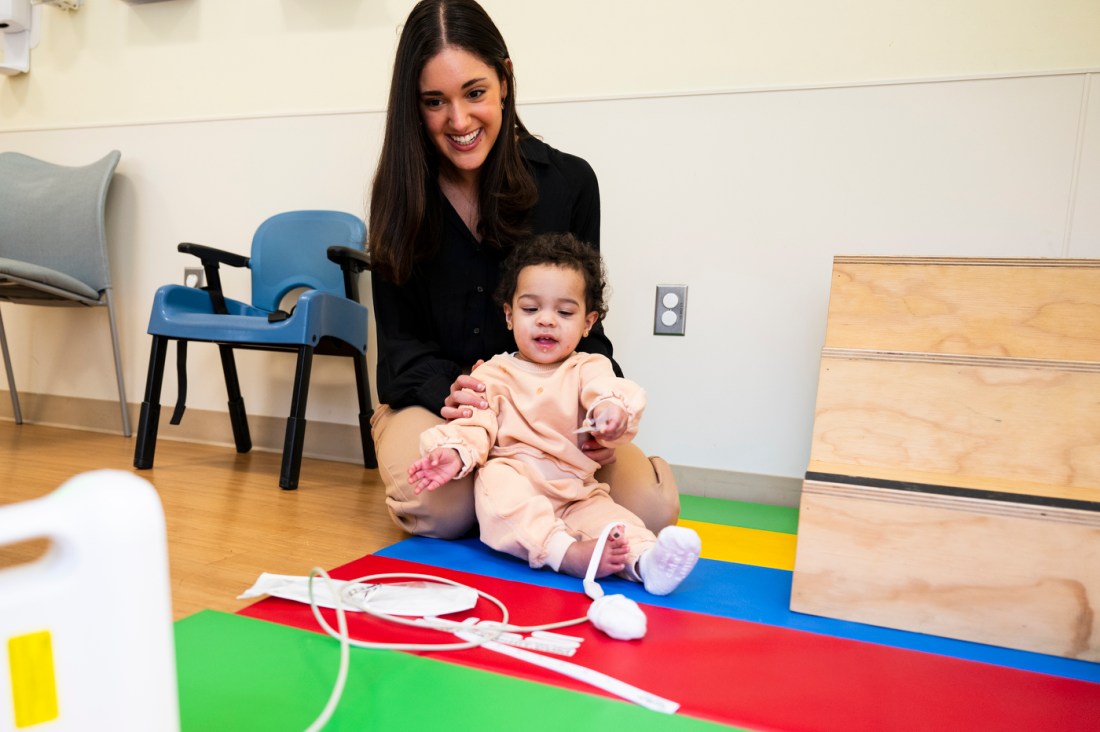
(738,591)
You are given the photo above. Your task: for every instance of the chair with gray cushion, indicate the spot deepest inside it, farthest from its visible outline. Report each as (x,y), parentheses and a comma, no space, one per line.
(53,244)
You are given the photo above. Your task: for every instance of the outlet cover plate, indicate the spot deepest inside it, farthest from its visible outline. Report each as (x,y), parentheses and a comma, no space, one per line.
(670,314)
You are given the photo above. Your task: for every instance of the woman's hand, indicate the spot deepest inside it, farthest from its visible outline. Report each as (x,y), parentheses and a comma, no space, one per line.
(595,451)
(608,422)
(462,402)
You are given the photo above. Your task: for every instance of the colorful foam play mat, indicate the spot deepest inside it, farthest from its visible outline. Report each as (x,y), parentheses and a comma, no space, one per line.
(724,649)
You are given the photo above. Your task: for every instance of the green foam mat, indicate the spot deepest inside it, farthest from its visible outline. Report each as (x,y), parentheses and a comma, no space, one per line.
(241,674)
(781,519)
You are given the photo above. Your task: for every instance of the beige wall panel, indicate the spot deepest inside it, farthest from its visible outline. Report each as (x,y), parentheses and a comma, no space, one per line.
(111,62)
(1083,228)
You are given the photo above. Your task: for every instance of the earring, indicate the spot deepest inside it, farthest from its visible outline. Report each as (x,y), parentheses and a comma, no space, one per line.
(585,334)
(509,325)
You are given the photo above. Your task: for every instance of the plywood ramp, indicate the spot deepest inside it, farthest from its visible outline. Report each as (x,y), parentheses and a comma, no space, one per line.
(1018,308)
(961,420)
(953,486)
(977,569)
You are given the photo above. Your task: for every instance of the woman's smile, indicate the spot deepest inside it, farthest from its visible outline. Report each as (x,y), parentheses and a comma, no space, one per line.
(467,140)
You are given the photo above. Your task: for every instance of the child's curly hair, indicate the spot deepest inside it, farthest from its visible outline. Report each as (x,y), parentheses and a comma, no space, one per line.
(562,250)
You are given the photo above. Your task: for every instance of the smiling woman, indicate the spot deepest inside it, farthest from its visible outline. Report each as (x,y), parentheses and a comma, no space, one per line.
(460,181)
(463,105)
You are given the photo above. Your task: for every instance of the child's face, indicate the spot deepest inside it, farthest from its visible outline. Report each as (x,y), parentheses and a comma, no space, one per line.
(547,313)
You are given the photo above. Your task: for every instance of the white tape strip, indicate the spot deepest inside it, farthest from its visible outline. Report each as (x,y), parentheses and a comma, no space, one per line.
(582,673)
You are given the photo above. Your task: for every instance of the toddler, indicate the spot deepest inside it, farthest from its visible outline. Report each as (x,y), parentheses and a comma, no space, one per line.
(535,494)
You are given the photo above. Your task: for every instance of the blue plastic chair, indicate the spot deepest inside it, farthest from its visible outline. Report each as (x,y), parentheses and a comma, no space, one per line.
(318,250)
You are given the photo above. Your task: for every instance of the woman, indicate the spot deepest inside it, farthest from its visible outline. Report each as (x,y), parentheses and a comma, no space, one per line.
(459,181)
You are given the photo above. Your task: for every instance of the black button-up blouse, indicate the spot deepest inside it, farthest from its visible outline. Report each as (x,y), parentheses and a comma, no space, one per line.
(443,319)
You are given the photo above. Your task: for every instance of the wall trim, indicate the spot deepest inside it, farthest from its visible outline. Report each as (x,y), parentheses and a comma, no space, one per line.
(773,490)
(324,440)
(669,94)
(340,442)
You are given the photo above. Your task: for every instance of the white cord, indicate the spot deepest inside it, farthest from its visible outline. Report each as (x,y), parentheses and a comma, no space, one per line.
(488,633)
(591,586)
(340,633)
(342,622)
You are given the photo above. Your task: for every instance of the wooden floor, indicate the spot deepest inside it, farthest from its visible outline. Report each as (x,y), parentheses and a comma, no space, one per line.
(227,518)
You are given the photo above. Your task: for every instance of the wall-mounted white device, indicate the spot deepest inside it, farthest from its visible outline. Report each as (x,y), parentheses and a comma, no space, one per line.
(20,28)
(18,35)
(63,4)
(15,16)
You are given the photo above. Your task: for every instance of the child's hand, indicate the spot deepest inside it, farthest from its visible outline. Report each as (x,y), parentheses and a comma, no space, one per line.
(609,422)
(434,469)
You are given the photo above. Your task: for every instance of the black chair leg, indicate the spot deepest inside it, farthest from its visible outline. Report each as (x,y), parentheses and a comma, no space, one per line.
(237,416)
(146,446)
(362,388)
(296,423)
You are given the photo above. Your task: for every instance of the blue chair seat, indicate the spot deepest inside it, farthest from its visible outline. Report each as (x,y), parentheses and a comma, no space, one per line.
(186,312)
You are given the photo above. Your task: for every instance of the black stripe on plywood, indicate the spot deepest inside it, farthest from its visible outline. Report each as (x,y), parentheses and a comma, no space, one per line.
(950,490)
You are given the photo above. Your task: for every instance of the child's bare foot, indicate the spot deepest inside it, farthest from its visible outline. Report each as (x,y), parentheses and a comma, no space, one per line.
(579,555)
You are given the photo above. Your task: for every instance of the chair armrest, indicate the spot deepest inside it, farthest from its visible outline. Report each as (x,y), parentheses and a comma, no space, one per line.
(352,261)
(348,257)
(210,259)
(212,255)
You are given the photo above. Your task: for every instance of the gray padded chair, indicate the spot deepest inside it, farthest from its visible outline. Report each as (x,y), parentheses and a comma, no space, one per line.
(53,244)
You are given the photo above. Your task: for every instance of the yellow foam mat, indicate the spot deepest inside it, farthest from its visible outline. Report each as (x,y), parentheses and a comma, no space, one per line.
(745,546)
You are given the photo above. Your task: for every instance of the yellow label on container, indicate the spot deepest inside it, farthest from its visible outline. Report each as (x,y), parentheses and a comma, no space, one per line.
(33,686)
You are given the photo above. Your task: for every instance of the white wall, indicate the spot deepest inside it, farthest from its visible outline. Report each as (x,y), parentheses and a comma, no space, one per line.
(750,204)
(739,147)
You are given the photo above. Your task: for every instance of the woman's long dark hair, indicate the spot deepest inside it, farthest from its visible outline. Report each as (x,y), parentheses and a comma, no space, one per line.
(406,210)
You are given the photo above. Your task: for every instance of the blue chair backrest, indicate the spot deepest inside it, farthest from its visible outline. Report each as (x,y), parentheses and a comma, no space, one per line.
(289,251)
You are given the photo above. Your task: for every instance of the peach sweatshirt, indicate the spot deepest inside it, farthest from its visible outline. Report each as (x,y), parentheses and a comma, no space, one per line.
(534,412)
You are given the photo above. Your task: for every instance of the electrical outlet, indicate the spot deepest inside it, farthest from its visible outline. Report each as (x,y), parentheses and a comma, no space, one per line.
(194,277)
(671,312)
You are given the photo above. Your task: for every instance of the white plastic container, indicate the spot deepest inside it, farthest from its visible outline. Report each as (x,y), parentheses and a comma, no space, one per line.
(86,629)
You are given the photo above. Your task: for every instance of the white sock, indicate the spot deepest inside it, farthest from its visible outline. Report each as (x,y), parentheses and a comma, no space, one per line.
(665,565)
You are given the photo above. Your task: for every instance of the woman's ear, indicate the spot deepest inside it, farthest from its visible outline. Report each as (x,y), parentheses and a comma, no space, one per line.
(508,315)
(504,81)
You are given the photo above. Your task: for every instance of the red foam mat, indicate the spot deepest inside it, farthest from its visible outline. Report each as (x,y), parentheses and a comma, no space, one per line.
(747,674)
